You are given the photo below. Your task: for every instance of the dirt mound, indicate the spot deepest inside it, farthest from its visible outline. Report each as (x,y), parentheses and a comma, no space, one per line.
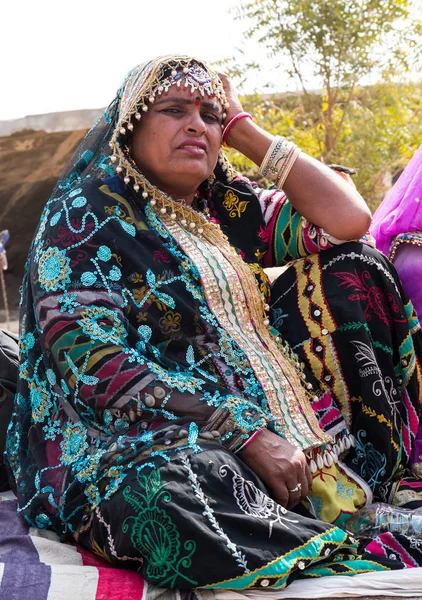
(31,163)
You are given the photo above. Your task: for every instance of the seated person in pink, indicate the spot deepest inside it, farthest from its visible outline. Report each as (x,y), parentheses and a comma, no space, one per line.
(397,228)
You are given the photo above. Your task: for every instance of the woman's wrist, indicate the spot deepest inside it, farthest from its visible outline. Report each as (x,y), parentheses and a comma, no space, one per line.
(279,160)
(232,122)
(249,139)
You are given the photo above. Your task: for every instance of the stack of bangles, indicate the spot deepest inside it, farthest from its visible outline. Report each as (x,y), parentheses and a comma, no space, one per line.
(233,120)
(278,161)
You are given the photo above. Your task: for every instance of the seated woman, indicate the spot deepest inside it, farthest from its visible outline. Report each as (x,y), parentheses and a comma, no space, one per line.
(161,419)
(397,228)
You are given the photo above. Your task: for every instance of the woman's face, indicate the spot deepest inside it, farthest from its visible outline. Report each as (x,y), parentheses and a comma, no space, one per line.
(176,143)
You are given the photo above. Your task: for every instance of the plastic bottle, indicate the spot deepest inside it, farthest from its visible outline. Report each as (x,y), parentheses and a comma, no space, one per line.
(378,518)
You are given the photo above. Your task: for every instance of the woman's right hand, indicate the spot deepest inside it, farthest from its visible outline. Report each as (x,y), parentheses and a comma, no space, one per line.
(235,106)
(281,467)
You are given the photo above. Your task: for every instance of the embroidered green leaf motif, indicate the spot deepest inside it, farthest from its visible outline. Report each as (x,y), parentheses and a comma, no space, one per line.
(155,535)
(153,532)
(152,484)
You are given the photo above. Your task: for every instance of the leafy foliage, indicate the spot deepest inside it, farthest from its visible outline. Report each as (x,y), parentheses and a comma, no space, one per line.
(380,132)
(337,47)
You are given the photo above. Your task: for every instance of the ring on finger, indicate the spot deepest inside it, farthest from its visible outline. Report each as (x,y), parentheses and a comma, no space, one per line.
(295,489)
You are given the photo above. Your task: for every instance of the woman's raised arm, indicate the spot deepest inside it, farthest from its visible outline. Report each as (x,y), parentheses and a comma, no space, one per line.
(317,193)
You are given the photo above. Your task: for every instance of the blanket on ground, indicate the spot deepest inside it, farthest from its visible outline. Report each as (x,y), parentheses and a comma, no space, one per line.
(35,565)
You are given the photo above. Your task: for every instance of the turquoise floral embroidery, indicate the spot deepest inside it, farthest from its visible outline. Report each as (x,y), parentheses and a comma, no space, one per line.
(41,228)
(154,534)
(51,376)
(20,401)
(184,382)
(23,369)
(88,467)
(130,229)
(104,253)
(115,475)
(27,342)
(42,521)
(93,494)
(74,442)
(190,359)
(88,279)
(68,302)
(80,375)
(145,333)
(64,387)
(78,323)
(343,492)
(252,387)
(52,430)
(102,324)
(40,401)
(246,415)
(232,354)
(55,218)
(121,425)
(54,269)
(107,417)
(115,274)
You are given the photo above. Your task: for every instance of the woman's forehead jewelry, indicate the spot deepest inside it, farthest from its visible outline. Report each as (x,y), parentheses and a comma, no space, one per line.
(141,89)
(195,77)
(143,85)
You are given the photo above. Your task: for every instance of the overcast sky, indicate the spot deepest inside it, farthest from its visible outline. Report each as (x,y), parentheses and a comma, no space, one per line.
(62,56)
(58,55)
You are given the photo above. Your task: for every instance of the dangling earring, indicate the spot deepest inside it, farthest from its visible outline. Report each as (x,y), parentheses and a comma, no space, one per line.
(210,183)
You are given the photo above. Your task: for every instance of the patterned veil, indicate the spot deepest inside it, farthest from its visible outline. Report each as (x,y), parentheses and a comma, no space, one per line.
(93,158)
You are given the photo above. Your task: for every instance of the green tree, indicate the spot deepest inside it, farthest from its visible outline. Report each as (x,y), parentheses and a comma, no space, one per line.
(333,46)
(381,131)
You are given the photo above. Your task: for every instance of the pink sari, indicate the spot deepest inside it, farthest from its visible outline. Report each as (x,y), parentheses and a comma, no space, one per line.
(397,228)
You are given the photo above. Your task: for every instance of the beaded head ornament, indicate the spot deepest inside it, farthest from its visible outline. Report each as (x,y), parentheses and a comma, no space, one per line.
(104,150)
(142,86)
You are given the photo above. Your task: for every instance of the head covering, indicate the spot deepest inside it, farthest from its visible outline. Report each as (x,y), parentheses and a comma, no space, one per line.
(401,210)
(105,148)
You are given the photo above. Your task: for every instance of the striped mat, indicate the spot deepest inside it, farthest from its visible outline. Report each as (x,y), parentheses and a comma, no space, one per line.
(35,565)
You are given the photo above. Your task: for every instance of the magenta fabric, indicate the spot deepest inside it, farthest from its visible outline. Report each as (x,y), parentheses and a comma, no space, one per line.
(401,209)
(408,262)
